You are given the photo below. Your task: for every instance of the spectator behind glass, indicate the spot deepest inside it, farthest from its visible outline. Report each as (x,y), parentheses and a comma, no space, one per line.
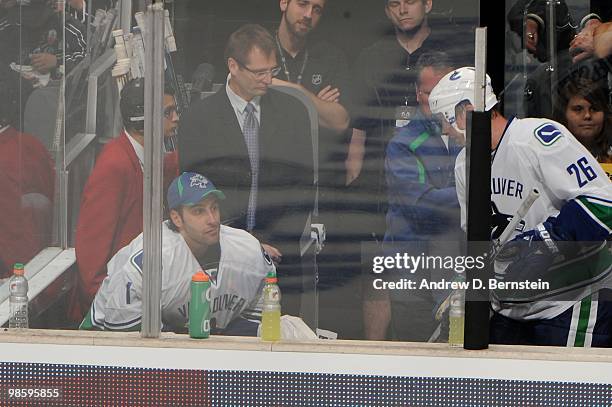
(26,187)
(585,112)
(529,17)
(112,202)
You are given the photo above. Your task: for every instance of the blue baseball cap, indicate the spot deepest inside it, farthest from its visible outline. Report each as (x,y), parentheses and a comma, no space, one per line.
(189,188)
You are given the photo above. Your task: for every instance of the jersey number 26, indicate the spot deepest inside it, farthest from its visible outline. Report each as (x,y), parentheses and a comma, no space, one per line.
(582,168)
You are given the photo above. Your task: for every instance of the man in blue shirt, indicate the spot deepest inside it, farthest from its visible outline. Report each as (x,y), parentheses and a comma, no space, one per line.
(419,166)
(423,211)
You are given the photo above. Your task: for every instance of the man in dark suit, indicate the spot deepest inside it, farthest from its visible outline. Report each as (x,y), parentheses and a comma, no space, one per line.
(254,143)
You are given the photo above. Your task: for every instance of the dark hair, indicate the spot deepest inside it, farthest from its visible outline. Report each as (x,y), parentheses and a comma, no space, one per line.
(132,103)
(170,223)
(597,96)
(247,37)
(437,60)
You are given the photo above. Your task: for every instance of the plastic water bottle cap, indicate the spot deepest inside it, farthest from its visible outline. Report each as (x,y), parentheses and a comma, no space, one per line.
(18,269)
(200,276)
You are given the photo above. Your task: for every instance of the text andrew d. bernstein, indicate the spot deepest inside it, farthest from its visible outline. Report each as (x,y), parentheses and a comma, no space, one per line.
(476,284)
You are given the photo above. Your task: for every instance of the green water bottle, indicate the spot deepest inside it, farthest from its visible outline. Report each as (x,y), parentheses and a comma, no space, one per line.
(199,307)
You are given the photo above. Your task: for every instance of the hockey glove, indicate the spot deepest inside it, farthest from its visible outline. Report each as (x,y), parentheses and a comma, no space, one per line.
(530,254)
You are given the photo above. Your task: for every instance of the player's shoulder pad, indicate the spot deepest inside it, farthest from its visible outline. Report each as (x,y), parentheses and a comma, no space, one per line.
(548,133)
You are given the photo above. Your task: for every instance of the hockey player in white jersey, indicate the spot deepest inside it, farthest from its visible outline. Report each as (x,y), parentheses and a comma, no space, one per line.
(193,239)
(575,207)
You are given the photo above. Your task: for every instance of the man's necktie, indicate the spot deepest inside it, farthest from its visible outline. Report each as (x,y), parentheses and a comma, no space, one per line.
(251,132)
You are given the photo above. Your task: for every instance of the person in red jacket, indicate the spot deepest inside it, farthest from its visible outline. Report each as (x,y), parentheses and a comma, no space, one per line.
(26,188)
(111,207)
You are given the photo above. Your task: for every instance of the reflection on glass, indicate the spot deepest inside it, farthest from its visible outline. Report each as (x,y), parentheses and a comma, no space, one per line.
(28,60)
(254,142)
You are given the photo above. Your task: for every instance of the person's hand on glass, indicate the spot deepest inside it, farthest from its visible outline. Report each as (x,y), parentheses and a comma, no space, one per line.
(581,46)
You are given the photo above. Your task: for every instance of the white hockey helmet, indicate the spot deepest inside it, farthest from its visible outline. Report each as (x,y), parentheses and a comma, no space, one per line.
(453,89)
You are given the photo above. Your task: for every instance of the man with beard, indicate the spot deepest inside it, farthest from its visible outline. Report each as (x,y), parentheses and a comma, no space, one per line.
(193,239)
(318,69)
(385,98)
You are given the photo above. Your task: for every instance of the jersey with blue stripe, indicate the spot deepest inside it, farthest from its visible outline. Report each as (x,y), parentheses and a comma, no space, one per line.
(236,283)
(542,154)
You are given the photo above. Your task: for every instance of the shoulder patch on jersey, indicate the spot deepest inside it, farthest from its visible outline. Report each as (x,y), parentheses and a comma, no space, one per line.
(547,134)
(266,256)
(136,260)
(455,76)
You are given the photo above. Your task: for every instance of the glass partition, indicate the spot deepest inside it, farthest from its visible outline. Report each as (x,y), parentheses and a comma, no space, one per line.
(347,78)
(320,123)
(32,80)
(307,173)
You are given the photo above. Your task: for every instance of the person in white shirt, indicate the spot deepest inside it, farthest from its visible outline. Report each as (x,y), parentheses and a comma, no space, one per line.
(193,239)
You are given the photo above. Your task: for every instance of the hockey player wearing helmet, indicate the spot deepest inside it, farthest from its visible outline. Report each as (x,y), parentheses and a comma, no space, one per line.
(575,206)
(453,95)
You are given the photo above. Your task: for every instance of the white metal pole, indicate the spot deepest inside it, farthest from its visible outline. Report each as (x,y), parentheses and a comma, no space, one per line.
(153,163)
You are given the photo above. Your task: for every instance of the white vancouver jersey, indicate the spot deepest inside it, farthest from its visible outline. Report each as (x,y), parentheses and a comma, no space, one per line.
(541,154)
(236,284)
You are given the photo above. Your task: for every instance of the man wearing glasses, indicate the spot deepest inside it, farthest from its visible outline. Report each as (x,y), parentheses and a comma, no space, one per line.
(111,207)
(254,143)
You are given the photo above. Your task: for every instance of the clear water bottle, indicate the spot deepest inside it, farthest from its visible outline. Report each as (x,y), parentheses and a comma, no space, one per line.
(18,298)
(271,313)
(456,317)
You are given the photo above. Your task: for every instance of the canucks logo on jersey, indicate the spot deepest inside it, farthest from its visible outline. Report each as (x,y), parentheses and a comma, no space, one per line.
(212,273)
(136,260)
(547,134)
